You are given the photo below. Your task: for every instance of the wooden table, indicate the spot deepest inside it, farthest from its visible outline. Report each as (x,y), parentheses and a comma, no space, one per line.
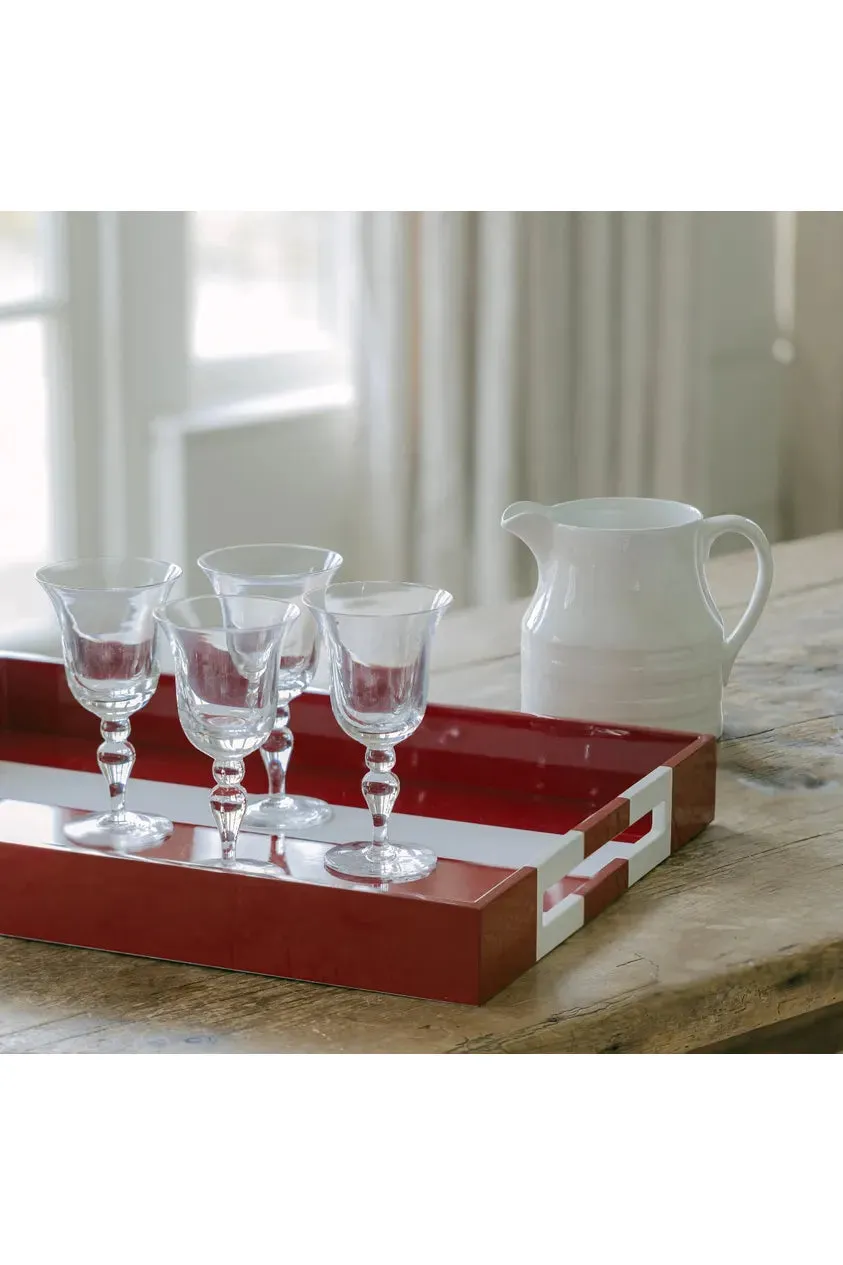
(741,930)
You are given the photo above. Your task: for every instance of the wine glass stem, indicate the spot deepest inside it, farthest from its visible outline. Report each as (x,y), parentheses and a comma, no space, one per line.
(228,804)
(380,790)
(380,831)
(115,757)
(276,752)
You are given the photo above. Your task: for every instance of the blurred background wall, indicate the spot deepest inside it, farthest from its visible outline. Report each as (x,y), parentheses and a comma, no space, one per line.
(386,383)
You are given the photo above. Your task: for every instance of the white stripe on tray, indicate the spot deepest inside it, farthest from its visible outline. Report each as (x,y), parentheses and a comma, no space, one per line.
(453,840)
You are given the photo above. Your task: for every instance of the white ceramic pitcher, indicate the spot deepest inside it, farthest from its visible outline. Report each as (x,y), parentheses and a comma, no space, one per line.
(622,627)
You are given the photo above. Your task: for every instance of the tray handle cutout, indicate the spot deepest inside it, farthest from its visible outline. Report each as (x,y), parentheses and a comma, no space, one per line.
(590,878)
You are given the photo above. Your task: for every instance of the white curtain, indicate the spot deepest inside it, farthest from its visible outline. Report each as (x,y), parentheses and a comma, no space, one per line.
(508,355)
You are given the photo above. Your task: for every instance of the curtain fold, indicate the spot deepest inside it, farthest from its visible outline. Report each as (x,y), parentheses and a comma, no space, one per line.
(533,355)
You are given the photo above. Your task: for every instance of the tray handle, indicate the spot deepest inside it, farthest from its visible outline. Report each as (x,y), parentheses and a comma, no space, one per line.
(652,794)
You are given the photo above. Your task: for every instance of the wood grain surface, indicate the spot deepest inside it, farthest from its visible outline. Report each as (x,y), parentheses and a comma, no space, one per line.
(741,930)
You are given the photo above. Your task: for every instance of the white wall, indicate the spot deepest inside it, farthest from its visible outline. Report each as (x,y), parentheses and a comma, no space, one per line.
(742,385)
(814,487)
(293,479)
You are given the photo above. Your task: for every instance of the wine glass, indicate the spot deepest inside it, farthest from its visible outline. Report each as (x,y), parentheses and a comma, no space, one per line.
(109,643)
(379,635)
(226,652)
(286,572)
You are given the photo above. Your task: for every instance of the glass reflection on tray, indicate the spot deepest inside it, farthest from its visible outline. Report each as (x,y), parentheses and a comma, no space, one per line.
(43,825)
(290,859)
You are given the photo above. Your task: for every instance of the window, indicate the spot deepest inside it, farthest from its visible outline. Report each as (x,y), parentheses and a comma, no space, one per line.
(265,300)
(112,321)
(30,309)
(255,281)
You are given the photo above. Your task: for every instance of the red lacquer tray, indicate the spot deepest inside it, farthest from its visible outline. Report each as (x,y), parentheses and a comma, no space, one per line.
(539,825)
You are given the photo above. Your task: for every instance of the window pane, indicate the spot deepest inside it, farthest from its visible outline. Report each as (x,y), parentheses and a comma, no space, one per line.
(255,282)
(22,255)
(24,461)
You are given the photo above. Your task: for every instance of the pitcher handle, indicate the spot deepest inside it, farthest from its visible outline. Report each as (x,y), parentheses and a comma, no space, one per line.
(719,525)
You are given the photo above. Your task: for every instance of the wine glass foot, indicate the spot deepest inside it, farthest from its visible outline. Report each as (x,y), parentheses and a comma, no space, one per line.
(131,832)
(366,863)
(244,865)
(287,814)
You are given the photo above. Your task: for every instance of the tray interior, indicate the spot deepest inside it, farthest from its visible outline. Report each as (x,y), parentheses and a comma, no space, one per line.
(463,764)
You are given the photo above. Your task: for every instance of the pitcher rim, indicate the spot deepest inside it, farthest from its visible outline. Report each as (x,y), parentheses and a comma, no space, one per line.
(691,514)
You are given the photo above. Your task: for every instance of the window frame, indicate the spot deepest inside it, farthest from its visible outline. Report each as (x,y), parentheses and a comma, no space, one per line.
(117,333)
(50,309)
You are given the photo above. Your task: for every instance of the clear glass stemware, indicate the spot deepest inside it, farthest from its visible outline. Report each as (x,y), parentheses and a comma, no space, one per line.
(284,572)
(226,654)
(109,642)
(379,636)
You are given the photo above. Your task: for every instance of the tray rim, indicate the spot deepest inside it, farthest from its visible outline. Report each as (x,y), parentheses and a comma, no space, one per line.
(505,717)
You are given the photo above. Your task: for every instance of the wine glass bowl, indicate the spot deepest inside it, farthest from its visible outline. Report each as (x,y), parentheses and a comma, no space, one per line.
(225,652)
(104,608)
(280,572)
(379,636)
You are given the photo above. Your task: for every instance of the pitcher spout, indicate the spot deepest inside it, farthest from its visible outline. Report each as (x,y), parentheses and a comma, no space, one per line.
(532,523)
